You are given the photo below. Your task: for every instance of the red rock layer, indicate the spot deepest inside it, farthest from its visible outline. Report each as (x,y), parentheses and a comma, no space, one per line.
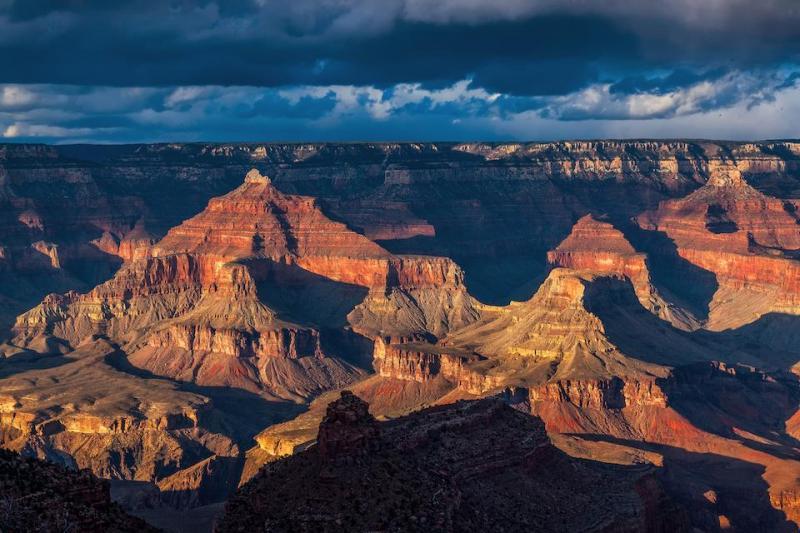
(598,246)
(257,220)
(191,309)
(285,343)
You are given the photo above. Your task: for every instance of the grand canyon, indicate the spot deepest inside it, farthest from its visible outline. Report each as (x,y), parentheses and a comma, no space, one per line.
(556,336)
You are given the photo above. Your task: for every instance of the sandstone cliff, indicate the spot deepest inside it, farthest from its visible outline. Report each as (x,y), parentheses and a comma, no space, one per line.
(745,238)
(193,310)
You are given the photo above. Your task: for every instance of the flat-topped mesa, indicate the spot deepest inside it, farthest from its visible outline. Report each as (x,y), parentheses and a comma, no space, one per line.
(422,363)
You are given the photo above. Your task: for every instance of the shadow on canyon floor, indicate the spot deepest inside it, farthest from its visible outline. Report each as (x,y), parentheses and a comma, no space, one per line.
(490,279)
(742,495)
(640,334)
(715,399)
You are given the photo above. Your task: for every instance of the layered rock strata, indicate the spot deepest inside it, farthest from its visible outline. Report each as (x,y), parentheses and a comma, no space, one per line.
(198,295)
(597,246)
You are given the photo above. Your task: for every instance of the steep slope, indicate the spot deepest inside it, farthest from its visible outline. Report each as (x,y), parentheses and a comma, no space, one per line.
(552,347)
(619,383)
(163,444)
(96,205)
(465,467)
(276,295)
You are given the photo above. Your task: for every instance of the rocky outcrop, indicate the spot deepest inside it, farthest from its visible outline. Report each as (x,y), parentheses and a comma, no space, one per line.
(467,466)
(277,292)
(347,430)
(424,362)
(121,199)
(94,416)
(40,496)
(596,245)
(287,343)
(198,293)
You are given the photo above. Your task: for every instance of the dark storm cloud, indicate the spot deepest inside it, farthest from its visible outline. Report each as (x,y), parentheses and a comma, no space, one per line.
(130,70)
(535,47)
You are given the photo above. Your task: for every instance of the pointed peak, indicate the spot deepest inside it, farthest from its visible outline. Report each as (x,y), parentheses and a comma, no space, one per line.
(254,176)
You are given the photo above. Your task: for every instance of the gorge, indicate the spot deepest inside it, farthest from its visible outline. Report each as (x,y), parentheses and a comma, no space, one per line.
(174,317)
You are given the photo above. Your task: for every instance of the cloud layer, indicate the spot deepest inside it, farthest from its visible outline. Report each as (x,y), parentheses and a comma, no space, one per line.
(364,69)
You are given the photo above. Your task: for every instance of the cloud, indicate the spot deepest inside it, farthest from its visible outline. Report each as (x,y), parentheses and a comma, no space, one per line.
(42,130)
(518,47)
(608,101)
(459,111)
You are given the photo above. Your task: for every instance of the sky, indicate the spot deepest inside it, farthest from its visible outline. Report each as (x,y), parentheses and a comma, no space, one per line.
(397,70)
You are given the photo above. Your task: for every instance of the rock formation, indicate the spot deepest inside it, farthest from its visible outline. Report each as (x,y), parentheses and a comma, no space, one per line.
(597,246)
(40,496)
(194,309)
(468,466)
(745,238)
(348,430)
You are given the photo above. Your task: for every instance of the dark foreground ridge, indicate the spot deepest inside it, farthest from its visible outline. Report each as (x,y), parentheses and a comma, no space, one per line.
(39,496)
(469,466)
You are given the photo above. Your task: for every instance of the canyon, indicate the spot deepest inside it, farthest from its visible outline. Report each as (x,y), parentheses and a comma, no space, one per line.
(181,318)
